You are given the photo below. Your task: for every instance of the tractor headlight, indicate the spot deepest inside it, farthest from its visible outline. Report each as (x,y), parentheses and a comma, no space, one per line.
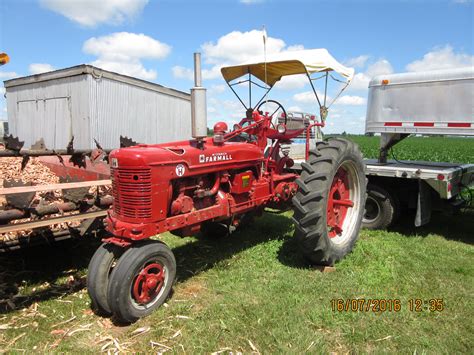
(281,128)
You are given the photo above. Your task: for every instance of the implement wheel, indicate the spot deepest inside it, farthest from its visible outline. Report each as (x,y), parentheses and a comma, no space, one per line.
(382,208)
(329,204)
(141,281)
(101,265)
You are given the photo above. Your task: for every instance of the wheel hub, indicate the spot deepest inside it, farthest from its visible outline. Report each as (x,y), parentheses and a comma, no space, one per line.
(338,203)
(148,283)
(372,210)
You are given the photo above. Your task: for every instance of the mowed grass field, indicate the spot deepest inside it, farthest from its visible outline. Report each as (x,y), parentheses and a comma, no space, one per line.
(253,292)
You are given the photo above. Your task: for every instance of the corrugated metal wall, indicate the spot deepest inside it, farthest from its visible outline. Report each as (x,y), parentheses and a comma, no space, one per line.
(91,107)
(144,115)
(53,110)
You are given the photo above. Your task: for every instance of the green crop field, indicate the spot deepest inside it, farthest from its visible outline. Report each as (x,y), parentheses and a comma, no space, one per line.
(252,292)
(439,149)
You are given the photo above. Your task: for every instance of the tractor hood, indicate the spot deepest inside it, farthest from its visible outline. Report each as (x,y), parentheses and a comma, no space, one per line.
(187,153)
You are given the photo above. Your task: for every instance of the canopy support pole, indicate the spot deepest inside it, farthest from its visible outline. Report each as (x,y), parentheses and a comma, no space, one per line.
(340,92)
(326,89)
(314,90)
(237,95)
(250,89)
(264,96)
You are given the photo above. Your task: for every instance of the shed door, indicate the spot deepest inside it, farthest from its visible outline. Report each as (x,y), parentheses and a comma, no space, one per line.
(49,119)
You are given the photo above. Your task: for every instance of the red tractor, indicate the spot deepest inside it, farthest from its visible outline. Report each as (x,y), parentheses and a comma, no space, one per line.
(208,185)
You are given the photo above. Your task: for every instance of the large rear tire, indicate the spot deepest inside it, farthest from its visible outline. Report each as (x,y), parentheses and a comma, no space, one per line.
(329,204)
(141,281)
(98,273)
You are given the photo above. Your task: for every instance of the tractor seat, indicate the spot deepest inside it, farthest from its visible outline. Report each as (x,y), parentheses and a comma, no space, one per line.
(289,134)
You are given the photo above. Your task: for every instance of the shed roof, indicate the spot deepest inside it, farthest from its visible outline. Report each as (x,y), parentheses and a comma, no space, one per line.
(97,73)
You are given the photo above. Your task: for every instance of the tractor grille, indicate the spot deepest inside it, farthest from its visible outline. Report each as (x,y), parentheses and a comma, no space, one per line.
(131,189)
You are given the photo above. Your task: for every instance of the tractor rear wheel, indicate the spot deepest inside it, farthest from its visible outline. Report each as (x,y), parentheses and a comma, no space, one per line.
(329,204)
(141,281)
(98,273)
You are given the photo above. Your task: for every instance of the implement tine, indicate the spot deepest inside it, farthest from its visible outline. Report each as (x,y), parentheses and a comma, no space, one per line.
(24,161)
(97,144)
(70,146)
(13,143)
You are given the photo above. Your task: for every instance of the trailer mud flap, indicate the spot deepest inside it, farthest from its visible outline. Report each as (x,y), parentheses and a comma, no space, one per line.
(423,208)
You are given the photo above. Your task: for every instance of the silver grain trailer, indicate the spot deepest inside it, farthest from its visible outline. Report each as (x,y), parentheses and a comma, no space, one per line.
(91,103)
(427,103)
(400,105)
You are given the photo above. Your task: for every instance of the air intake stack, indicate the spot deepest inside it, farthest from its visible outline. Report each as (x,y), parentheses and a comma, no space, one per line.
(198,102)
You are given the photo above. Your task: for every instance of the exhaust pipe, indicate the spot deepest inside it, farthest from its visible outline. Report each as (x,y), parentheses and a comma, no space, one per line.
(198,102)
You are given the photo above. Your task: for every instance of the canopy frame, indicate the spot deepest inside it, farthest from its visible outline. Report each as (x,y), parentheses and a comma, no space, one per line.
(323,109)
(269,72)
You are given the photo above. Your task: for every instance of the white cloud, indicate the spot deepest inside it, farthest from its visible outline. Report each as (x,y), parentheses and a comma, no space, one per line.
(304,97)
(294,109)
(238,47)
(217,89)
(182,72)
(90,13)
(6,75)
(441,58)
(134,69)
(361,80)
(291,82)
(380,67)
(228,111)
(122,46)
(38,68)
(122,52)
(357,62)
(232,48)
(308,97)
(351,100)
(2,91)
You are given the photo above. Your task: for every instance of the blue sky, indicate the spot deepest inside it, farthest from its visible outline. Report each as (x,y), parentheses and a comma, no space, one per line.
(154,40)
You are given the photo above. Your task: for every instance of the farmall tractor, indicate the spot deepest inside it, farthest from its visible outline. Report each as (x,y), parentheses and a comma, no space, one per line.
(210,185)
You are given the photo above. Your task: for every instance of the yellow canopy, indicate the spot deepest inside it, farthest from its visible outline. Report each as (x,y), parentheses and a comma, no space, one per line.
(289,63)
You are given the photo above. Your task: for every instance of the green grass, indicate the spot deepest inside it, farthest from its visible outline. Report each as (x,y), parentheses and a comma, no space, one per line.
(439,149)
(253,291)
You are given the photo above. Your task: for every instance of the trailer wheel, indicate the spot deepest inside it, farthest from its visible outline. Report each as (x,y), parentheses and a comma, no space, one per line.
(101,265)
(329,204)
(381,208)
(141,281)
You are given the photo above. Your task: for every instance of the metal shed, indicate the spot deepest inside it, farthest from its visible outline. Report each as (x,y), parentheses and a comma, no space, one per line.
(87,102)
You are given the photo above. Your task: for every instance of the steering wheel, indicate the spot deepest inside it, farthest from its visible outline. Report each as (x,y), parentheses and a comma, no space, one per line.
(279,105)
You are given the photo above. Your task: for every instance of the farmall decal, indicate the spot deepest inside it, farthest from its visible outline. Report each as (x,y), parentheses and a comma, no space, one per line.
(214,157)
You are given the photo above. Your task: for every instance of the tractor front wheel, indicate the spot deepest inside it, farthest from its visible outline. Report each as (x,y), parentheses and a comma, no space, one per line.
(141,281)
(100,267)
(329,204)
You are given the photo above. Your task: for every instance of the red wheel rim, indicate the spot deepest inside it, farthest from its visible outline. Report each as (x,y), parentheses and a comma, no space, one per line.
(148,283)
(338,203)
